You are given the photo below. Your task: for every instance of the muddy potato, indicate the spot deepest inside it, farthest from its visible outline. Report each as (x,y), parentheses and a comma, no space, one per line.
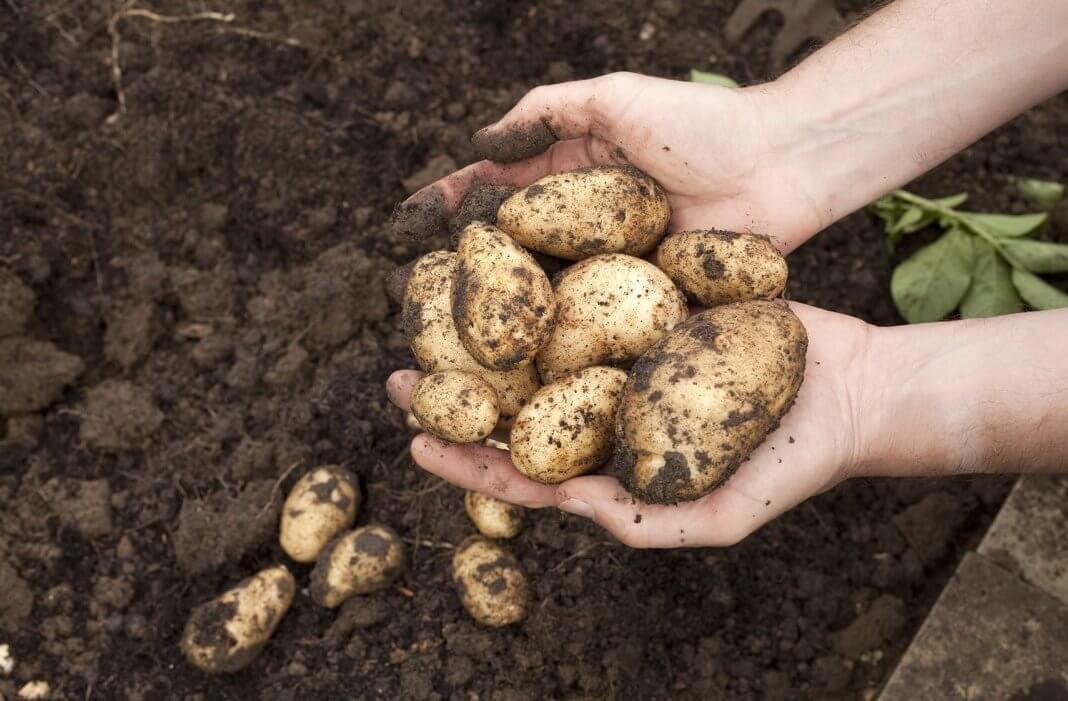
(455,406)
(718,267)
(567,428)
(700,401)
(491,583)
(609,310)
(362,561)
(575,215)
(227,633)
(428,323)
(502,301)
(492,517)
(321,504)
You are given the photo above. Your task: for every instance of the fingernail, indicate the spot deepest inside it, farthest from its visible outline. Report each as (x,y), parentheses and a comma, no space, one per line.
(574,506)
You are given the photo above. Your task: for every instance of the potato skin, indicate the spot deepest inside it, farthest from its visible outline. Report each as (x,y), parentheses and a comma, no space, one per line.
(700,401)
(609,310)
(492,517)
(362,561)
(502,301)
(567,428)
(428,323)
(228,632)
(719,267)
(491,583)
(455,406)
(321,504)
(586,212)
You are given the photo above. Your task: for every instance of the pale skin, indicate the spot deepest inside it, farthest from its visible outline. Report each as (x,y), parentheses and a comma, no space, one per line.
(893,97)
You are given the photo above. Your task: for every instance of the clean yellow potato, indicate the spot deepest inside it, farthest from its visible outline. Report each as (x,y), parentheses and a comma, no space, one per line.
(321,504)
(362,561)
(455,406)
(700,401)
(228,632)
(428,323)
(568,426)
(609,310)
(492,517)
(491,583)
(718,267)
(502,301)
(582,213)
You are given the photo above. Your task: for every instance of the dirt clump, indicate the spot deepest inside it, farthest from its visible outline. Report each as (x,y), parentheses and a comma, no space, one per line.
(17,601)
(119,415)
(84,505)
(33,374)
(16,303)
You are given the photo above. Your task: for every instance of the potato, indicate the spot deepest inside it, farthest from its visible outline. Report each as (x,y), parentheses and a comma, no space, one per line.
(575,215)
(700,401)
(412,423)
(455,406)
(609,310)
(492,517)
(227,633)
(491,584)
(567,428)
(362,561)
(718,267)
(321,504)
(502,301)
(428,323)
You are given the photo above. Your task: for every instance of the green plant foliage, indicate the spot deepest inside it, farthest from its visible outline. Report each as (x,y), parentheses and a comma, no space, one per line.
(712,78)
(1047,194)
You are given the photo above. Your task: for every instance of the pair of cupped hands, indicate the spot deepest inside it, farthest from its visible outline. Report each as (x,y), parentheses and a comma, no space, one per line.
(707,147)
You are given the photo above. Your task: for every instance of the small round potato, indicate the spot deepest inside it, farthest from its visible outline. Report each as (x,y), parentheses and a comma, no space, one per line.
(428,323)
(719,267)
(321,504)
(455,406)
(567,428)
(227,633)
(609,310)
(502,301)
(575,215)
(491,583)
(700,401)
(362,561)
(492,517)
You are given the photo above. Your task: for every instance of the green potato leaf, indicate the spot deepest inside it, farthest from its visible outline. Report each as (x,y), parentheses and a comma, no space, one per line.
(991,292)
(953,201)
(712,78)
(931,283)
(1047,194)
(1038,293)
(1038,256)
(1005,225)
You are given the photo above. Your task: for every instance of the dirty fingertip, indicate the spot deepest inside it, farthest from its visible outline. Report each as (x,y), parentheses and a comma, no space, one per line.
(422,215)
(509,144)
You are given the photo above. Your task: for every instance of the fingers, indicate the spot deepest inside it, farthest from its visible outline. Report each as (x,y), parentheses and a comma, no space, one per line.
(400,385)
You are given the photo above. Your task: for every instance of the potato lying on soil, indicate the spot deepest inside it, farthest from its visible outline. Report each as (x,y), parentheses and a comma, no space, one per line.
(362,561)
(718,267)
(582,213)
(609,310)
(455,406)
(700,401)
(321,504)
(227,633)
(492,517)
(567,428)
(491,583)
(502,301)
(428,323)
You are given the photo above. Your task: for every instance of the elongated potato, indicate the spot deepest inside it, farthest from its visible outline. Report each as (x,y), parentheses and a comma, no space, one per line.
(227,633)
(321,504)
(428,323)
(582,213)
(362,561)
(492,517)
(718,267)
(700,401)
(502,301)
(491,583)
(567,428)
(609,310)
(455,406)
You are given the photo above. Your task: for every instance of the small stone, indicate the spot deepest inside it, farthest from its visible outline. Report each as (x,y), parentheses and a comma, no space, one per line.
(35,690)
(119,416)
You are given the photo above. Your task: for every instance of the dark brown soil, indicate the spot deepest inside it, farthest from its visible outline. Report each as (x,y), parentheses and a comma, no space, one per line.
(209,317)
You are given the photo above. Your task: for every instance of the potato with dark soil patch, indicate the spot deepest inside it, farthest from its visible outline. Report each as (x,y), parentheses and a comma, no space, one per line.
(718,267)
(455,406)
(700,401)
(490,581)
(366,560)
(321,504)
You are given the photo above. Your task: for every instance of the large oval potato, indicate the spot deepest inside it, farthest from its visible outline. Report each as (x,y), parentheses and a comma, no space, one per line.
(502,301)
(491,583)
(567,428)
(228,632)
(609,310)
(582,213)
(700,401)
(362,561)
(321,504)
(428,323)
(455,406)
(718,267)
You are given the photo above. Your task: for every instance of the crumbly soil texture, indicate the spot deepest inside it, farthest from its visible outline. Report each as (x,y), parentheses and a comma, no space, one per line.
(193,313)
